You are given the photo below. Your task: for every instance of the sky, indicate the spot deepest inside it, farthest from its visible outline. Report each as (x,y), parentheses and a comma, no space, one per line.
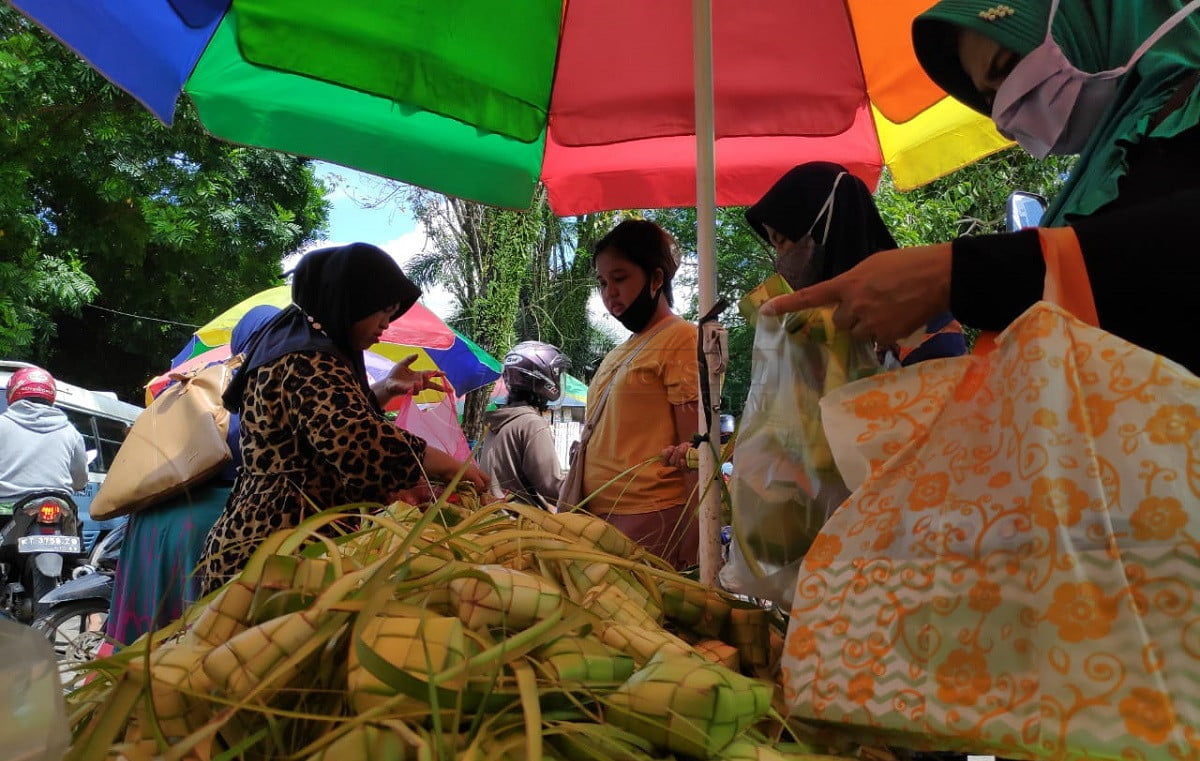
(397,232)
(352,219)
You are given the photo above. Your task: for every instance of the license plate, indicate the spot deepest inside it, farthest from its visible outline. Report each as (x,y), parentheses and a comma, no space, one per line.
(48,543)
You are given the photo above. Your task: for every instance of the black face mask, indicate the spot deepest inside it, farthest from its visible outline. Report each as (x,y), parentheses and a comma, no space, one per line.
(802,264)
(638,314)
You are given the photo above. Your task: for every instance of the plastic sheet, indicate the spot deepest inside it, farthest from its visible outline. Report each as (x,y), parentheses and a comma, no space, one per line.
(33,715)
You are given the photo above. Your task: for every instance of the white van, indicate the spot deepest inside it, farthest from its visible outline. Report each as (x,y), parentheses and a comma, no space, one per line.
(103,419)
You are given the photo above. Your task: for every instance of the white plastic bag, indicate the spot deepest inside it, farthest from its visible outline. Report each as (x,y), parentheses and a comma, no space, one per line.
(785,483)
(33,715)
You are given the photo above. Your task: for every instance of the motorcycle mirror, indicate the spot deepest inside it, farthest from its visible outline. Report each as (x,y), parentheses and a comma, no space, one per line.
(1024,209)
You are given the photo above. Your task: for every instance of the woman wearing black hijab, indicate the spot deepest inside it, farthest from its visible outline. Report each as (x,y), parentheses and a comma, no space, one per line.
(313,434)
(822,221)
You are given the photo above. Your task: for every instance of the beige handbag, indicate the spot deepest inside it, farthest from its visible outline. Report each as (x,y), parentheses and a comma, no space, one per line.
(179,441)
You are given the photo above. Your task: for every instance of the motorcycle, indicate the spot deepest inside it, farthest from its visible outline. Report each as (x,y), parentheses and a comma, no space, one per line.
(37,533)
(75,614)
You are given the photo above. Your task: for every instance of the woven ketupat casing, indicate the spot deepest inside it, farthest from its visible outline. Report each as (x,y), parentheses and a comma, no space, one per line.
(1016,570)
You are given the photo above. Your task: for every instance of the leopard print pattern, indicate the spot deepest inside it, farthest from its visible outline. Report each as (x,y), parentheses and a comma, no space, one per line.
(310,441)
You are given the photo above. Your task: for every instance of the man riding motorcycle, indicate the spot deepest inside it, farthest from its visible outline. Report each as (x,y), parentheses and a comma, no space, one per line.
(39,448)
(518,449)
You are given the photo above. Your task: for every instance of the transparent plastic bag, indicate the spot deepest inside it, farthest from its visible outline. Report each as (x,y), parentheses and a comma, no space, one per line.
(785,483)
(33,715)
(436,423)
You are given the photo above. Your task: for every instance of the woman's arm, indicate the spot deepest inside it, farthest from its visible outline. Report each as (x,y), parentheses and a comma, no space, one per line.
(374,457)
(1139,262)
(686,419)
(443,467)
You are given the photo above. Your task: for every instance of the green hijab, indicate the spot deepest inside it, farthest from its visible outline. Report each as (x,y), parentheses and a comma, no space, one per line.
(1095,35)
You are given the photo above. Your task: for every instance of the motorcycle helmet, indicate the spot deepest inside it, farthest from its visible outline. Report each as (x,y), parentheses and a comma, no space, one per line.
(31,383)
(536,368)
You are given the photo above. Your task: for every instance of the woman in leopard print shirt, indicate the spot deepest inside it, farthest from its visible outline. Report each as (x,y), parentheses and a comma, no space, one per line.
(313,435)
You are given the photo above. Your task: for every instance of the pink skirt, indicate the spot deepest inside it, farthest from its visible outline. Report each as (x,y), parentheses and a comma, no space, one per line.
(671,534)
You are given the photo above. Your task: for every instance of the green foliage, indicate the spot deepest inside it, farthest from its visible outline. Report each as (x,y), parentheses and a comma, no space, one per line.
(970,201)
(515,275)
(483,256)
(102,204)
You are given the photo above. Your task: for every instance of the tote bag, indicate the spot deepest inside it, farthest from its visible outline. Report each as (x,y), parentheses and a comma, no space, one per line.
(178,441)
(1015,571)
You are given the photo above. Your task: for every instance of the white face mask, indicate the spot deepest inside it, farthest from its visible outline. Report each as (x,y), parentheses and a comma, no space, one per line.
(800,261)
(827,209)
(1049,106)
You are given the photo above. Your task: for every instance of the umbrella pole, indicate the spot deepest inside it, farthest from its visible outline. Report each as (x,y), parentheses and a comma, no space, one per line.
(706,204)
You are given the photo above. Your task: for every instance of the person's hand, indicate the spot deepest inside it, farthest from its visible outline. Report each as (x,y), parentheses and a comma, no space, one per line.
(476,477)
(441,466)
(887,296)
(676,456)
(416,495)
(402,379)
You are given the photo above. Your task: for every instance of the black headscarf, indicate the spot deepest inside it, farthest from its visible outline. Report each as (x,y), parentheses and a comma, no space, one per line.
(332,288)
(793,202)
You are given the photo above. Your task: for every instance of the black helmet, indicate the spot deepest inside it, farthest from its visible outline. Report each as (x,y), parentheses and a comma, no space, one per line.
(537,368)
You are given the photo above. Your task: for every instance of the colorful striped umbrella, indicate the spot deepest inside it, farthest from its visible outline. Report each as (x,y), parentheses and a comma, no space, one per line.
(597,99)
(418,331)
(416,327)
(482,99)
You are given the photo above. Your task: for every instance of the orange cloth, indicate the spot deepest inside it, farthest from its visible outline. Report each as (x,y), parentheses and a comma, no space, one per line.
(638,422)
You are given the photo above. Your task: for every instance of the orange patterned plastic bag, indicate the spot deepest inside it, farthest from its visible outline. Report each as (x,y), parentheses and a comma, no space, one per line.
(1018,571)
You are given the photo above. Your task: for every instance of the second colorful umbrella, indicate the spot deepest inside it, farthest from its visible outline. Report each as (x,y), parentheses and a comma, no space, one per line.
(418,331)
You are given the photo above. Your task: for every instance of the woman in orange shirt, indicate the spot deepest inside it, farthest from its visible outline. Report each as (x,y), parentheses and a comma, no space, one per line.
(643,399)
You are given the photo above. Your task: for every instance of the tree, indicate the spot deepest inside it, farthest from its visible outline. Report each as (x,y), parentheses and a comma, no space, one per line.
(743,261)
(515,275)
(106,213)
(970,201)
(481,255)
(554,302)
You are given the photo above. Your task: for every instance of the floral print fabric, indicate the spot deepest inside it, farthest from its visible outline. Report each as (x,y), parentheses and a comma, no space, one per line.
(1017,570)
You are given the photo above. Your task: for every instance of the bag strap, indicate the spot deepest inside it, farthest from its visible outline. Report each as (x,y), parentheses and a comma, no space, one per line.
(228,364)
(594,414)
(575,474)
(1067,283)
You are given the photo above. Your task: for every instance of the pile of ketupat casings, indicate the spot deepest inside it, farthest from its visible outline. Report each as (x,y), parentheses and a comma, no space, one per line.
(453,632)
